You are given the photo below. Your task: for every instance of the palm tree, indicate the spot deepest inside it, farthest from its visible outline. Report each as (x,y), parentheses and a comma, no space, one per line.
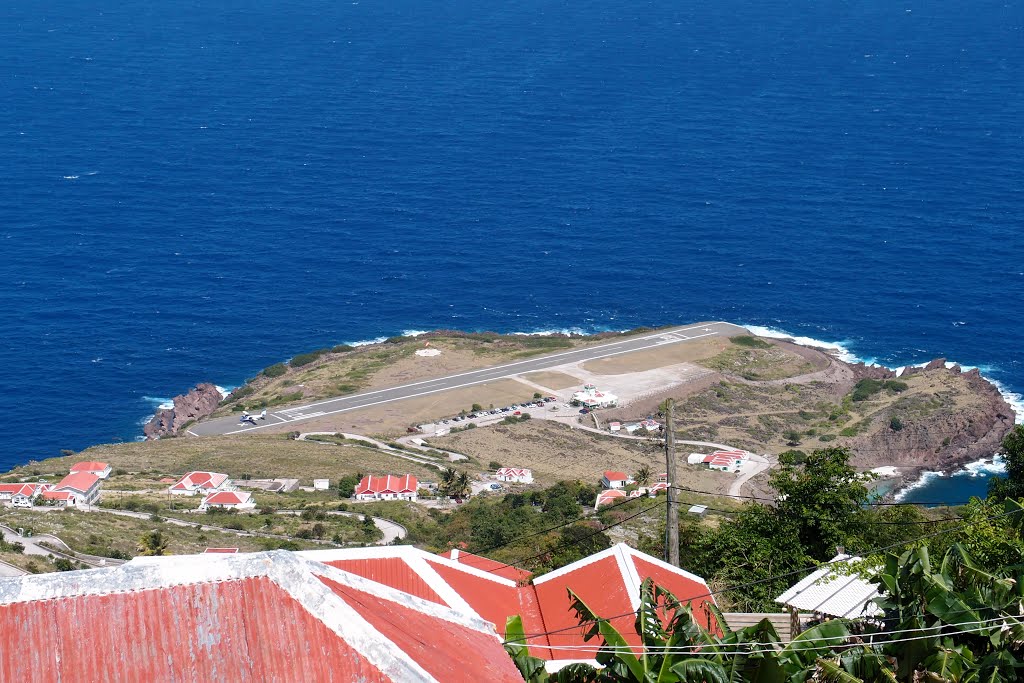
(643,476)
(462,485)
(448,477)
(152,543)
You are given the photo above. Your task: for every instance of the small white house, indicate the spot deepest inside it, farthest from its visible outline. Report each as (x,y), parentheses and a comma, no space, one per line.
(519,475)
(85,486)
(608,497)
(18,494)
(615,480)
(591,397)
(199,482)
(615,426)
(321,484)
(228,500)
(387,488)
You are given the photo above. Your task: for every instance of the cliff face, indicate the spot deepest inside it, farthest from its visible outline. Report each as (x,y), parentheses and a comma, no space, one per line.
(196,404)
(944,440)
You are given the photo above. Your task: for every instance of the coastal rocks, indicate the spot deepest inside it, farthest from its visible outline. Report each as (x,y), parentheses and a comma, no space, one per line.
(195,405)
(944,441)
(862,371)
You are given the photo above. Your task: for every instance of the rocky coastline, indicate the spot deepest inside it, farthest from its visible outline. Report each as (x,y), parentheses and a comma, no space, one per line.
(189,407)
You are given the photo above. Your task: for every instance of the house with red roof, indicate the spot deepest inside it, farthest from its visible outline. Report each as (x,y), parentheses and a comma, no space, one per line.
(228,500)
(608,497)
(20,494)
(725,461)
(271,616)
(199,482)
(615,480)
(609,582)
(387,487)
(519,475)
(100,469)
(83,486)
(58,498)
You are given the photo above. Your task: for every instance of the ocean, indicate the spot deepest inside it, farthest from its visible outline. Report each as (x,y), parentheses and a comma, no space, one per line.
(195,190)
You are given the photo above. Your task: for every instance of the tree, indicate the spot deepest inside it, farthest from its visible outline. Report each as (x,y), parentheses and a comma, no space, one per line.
(152,543)
(1012,486)
(448,477)
(824,496)
(643,476)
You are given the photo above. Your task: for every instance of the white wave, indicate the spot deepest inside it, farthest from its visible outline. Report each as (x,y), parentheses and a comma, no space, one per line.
(160,403)
(924,480)
(567,331)
(413,333)
(224,391)
(839,348)
(983,468)
(367,342)
(70,177)
(843,353)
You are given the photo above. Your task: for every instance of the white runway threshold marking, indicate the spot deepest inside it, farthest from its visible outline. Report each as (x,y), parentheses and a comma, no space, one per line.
(655,339)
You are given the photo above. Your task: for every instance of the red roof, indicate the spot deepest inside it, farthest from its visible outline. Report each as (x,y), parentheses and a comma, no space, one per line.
(512,472)
(615,476)
(387,484)
(57,495)
(89,466)
(253,617)
(227,498)
(606,497)
(488,565)
(21,488)
(200,480)
(80,482)
(390,571)
(213,551)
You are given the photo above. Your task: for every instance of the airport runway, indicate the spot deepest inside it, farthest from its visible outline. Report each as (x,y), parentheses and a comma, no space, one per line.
(298,414)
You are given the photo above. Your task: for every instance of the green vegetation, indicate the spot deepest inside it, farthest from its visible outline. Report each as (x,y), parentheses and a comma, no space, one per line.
(275,370)
(868,388)
(750,342)
(1012,486)
(306,358)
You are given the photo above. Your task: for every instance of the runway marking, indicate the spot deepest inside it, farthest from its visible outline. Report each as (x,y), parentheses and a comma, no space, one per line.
(521,362)
(278,417)
(302,416)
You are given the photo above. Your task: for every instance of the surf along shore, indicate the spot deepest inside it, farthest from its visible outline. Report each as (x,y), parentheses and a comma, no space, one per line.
(763,394)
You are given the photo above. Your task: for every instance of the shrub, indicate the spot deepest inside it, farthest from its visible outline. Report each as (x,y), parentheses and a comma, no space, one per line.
(476,407)
(275,370)
(307,358)
(537,394)
(395,340)
(342,348)
(750,342)
(866,388)
(895,424)
(494,465)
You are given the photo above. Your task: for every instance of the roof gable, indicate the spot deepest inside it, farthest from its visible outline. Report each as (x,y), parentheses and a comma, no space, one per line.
(80,482)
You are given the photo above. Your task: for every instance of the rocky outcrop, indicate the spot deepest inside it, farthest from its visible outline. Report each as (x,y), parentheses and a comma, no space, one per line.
(195,405)
(862,371)
(946,440)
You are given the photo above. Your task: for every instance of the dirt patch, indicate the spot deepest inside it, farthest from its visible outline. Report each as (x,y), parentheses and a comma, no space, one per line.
(670,354)
(392,419)
(553,380)
(777,361)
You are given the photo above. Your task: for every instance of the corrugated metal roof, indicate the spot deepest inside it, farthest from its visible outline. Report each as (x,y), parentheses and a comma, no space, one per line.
(390,571)
(834,591)
(488,565)
(80,481)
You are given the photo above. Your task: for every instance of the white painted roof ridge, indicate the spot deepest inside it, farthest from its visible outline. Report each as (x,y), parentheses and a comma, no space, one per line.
(630,578)
(474,571)
(663,565)
(569,568)
(293,575)
(468,618)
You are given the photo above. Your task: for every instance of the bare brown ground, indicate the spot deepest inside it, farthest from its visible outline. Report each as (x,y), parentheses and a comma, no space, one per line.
(392,419)
(553,379)
(670,354)
(557,452)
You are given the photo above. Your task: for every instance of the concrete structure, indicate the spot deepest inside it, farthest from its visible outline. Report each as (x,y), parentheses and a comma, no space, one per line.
(321,484)
(519,475)
(200,482)
(100,469)
(615,480)
(84,485)
(220,551)
(591,397)
(228,500)
(388,487)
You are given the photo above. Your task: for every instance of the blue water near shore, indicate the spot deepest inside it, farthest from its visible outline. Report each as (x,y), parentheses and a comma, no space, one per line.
(193,191)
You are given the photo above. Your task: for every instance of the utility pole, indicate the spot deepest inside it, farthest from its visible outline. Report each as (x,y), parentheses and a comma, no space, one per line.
(672,513)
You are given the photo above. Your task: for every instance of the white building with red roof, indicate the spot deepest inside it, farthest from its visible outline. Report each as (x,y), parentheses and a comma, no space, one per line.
(58,498)
(725,461)
(388,487)
(519,475)
(608,497)
(100,469)
(228,500)
(20,493)
(84,486)
(272,616)
(591,397)
(613,479)
(199,482)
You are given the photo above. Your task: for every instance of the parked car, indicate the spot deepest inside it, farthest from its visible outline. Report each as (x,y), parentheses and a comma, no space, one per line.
(583,411)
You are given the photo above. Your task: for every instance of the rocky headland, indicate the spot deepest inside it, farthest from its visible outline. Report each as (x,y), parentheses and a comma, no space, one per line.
(198,403)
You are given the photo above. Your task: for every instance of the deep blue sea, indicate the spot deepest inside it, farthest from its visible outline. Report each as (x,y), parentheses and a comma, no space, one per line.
(195,190)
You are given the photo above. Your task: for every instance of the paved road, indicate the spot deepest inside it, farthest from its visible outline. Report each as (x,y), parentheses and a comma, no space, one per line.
(297,414)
